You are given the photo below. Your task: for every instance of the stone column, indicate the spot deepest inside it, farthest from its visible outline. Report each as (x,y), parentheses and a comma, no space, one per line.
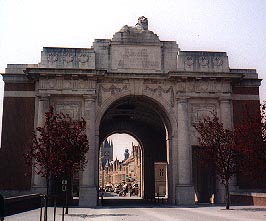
(185,193)
(226,119)
(226,112)
(172,158)
(39,183)
(88,182)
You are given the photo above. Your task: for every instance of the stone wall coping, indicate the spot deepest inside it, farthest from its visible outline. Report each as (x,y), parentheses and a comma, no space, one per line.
(204,74)
(254,71)
(22,196)
(256,194)
(65,48)
(203,53)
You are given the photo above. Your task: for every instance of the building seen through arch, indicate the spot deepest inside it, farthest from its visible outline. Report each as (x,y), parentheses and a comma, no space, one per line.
(115,173)
(132,83)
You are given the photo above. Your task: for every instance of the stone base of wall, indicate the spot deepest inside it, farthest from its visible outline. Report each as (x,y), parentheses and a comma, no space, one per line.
(248,198)
(185,195)
(23,203)
(87,196)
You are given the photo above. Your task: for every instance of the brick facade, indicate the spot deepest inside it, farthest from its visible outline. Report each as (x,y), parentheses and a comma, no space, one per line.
(17,127)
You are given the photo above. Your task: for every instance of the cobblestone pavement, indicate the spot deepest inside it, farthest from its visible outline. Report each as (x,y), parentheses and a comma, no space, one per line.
(197,213)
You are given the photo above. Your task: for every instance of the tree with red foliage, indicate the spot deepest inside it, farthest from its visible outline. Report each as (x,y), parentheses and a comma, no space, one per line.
(250,139)
(217,149)
(263,132)
(59,147)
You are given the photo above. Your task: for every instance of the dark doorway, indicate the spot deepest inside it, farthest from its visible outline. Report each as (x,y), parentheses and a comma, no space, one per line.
(203,177)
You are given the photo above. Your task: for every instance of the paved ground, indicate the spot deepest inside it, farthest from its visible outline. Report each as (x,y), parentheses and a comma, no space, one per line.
(200,213)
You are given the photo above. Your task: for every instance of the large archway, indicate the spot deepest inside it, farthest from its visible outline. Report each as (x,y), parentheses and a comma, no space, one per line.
(147,121)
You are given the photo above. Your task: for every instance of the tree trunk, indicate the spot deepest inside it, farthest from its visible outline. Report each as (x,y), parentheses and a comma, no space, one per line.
(68,190)
(46,198)
(227,195)
(47,185)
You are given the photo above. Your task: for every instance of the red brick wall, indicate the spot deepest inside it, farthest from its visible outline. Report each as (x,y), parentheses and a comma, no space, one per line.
(243,109)
(240,107)
(19,87)
(248,200)
(17,127)
(246,90)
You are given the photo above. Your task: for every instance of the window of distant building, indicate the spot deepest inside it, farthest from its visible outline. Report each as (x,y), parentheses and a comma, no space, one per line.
(161,172)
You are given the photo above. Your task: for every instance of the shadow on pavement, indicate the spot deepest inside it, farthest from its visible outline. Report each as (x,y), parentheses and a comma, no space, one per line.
(97,215)
(253,209)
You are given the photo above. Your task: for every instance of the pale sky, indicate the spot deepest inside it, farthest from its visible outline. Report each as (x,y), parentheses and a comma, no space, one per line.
(237,27)
(121,142)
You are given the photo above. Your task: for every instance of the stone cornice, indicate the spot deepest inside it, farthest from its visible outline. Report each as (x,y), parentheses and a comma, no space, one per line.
(185,74)
(15,78)
(35,73)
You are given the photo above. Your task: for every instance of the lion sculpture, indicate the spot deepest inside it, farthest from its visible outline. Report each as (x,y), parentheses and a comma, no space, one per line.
(142,25)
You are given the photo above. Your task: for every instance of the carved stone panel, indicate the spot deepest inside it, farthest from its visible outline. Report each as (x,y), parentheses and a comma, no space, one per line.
(200,111)
(68,57)
(52,57)
(188,63)
(83,58)
(73,109)
(217,61)
(203,61)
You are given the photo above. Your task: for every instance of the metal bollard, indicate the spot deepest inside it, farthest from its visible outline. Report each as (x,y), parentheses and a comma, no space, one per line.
(54,207)
(45,207)
(41,207)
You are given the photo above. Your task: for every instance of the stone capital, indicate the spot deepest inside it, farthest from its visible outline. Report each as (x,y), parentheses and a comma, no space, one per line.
(43,97)
(182,99)
(225,99)
(90,98)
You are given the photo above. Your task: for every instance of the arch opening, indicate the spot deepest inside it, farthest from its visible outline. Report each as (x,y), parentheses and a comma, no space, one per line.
(147,122)
(120,166)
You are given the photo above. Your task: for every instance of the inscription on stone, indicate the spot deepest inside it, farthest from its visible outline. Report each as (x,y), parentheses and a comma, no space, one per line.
(147,58)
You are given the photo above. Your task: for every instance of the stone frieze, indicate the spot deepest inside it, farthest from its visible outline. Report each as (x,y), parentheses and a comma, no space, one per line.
(63,84)
(203,86)
(106,92)
(167,94)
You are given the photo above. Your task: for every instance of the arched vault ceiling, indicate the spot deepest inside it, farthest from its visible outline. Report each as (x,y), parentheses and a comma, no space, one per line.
(134,110)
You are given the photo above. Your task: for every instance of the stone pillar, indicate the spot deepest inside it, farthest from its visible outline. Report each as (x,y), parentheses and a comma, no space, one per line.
(88,182)
(185,193)
(39,183)
(172,168)
(226,112)
(226,119)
